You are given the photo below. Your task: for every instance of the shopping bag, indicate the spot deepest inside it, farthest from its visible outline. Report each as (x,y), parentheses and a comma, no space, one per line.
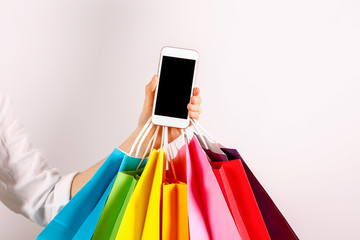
(240,198)
(141,219)
(218,157)
(87,228)
(276,223)
(152,224)
(209,215)
(127,168)
(124,185)
(121,214)
(68,221)
(175,223)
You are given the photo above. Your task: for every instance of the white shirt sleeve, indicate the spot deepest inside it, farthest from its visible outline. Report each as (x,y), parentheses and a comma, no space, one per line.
(28,185)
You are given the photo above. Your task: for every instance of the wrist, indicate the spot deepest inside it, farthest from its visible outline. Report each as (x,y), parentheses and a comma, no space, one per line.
(127,144)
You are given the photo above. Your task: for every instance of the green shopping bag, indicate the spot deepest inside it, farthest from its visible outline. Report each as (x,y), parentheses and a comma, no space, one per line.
(117,201)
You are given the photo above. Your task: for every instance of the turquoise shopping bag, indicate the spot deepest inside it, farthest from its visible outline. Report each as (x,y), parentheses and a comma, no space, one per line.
(69,220)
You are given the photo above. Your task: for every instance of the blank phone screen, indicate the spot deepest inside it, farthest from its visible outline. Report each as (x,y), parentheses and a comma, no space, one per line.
(174,88)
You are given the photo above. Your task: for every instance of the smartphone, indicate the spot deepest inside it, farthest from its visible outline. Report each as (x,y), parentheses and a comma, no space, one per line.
(176,73)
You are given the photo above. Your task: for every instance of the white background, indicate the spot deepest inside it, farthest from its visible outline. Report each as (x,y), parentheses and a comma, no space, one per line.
(280,82)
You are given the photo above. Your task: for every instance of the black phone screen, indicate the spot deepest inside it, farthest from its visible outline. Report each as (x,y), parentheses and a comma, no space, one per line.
(174,88)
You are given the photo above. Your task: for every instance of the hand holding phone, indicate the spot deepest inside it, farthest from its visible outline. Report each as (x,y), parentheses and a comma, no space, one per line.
(177,70)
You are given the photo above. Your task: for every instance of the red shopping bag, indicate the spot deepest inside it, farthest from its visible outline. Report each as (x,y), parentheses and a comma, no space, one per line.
(240,198)
(276,223)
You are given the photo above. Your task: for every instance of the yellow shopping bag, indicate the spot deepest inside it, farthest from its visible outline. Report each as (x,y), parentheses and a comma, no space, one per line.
(175,223)
(142,217)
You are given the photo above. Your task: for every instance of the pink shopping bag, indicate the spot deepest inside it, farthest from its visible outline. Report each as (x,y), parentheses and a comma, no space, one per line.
(209,215)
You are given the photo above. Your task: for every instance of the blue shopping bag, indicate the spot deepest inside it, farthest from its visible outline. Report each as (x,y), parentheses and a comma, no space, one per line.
(69,220)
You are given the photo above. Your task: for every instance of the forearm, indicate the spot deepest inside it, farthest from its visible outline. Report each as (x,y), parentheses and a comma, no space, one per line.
(82,178)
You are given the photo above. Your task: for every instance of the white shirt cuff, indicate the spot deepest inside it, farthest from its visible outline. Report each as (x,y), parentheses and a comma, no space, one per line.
(62,192)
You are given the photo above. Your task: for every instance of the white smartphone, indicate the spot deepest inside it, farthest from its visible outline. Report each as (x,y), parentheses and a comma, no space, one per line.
(176,73)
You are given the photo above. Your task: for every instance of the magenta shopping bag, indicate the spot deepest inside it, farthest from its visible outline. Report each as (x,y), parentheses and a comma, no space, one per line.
(209,215)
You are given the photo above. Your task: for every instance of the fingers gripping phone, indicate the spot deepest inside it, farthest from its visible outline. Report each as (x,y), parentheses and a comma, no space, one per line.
(176,73)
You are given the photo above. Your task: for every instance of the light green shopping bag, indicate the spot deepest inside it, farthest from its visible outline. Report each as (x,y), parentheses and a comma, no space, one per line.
(116,203)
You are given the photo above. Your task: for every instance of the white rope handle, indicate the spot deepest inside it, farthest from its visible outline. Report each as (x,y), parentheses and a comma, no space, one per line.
(185,136)
(162,137)
(143,139)
(165,134)
(206,133)
(156,134)
(140,134)
(151,143)
(167,148)
(210,142)
(199,134)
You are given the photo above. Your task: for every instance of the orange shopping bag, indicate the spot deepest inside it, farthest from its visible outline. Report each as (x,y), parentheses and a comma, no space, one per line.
(175,223)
